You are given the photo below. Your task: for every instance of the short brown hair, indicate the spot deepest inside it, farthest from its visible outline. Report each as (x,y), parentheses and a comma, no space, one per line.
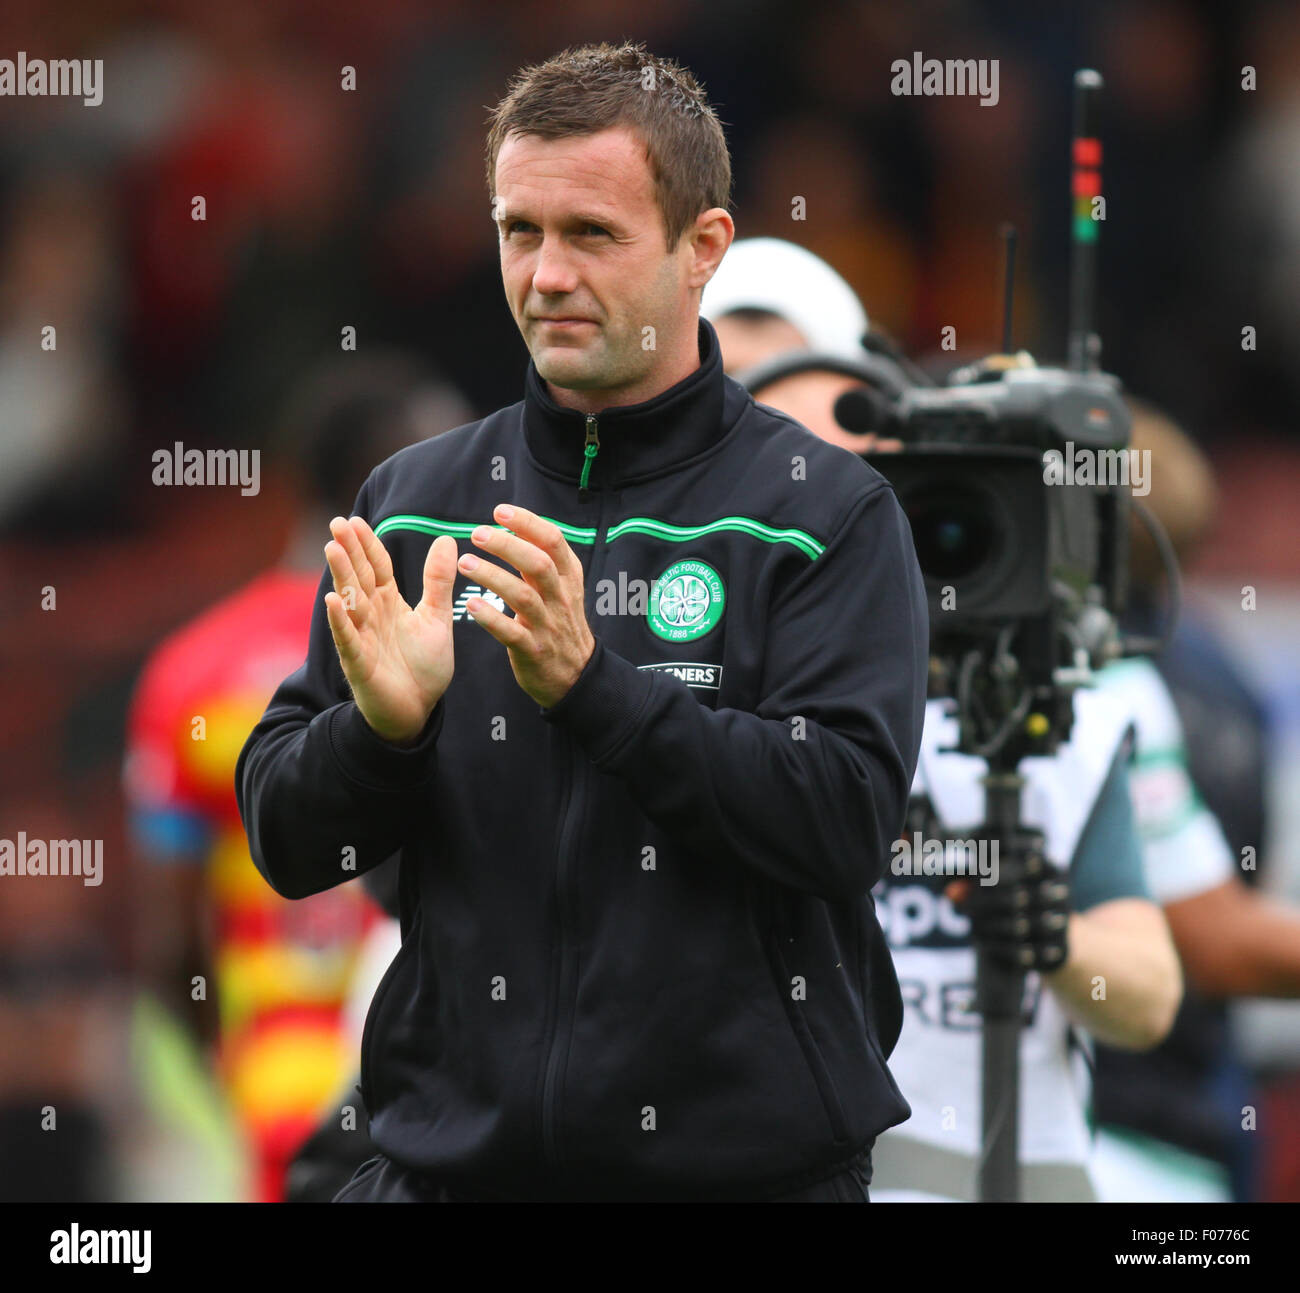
(594,87)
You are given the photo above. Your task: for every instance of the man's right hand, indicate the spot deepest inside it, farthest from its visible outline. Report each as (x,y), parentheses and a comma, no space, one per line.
(398,660)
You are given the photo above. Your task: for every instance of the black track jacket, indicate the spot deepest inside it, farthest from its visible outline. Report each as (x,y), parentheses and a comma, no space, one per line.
(639,955)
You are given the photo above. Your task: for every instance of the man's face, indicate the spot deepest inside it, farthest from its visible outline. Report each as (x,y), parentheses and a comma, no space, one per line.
(582,242)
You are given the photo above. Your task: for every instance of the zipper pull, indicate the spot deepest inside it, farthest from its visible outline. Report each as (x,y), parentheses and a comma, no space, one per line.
(589,451)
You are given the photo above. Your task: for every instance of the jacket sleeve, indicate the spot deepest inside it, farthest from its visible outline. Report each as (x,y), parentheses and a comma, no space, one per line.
(811,788)
(323,798)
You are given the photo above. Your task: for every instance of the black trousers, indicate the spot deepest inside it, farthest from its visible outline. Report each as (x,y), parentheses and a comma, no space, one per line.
(380,1180)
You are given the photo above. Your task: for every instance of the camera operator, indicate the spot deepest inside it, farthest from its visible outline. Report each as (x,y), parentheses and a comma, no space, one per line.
(1166,1130)
(1117,974)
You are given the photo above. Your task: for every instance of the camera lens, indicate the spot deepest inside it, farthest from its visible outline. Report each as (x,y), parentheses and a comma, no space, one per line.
(954,532)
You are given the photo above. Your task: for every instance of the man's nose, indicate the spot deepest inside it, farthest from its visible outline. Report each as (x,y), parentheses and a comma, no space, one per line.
(553,275)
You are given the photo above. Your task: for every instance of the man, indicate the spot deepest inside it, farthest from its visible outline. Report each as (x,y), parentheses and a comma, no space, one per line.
(639,826)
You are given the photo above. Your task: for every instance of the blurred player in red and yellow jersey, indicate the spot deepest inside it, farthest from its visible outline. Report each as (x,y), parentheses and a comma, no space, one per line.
(278,972)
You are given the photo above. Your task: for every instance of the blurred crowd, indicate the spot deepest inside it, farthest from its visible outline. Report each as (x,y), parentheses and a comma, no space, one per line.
(328,207)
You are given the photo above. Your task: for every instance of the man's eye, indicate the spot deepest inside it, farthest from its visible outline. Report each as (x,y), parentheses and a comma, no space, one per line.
(588,230)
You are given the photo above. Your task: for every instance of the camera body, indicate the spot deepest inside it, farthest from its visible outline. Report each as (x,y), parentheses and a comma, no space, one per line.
(1015,482)
(987,478)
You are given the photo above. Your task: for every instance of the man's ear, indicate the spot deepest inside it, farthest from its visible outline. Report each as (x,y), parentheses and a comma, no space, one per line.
(710,236)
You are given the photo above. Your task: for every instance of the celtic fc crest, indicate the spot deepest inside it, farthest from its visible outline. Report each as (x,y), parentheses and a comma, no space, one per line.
(686,601)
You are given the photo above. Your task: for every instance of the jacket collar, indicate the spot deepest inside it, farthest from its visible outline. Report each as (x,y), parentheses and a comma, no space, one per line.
(636,440)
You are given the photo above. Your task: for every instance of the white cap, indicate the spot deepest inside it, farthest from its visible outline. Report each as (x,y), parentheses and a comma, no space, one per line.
(772,274)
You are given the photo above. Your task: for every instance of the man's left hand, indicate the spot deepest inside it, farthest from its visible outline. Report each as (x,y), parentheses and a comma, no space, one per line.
(548,640)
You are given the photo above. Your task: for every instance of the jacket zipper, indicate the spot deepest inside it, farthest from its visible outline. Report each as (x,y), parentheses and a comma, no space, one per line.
(589,451)
(557,1055)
